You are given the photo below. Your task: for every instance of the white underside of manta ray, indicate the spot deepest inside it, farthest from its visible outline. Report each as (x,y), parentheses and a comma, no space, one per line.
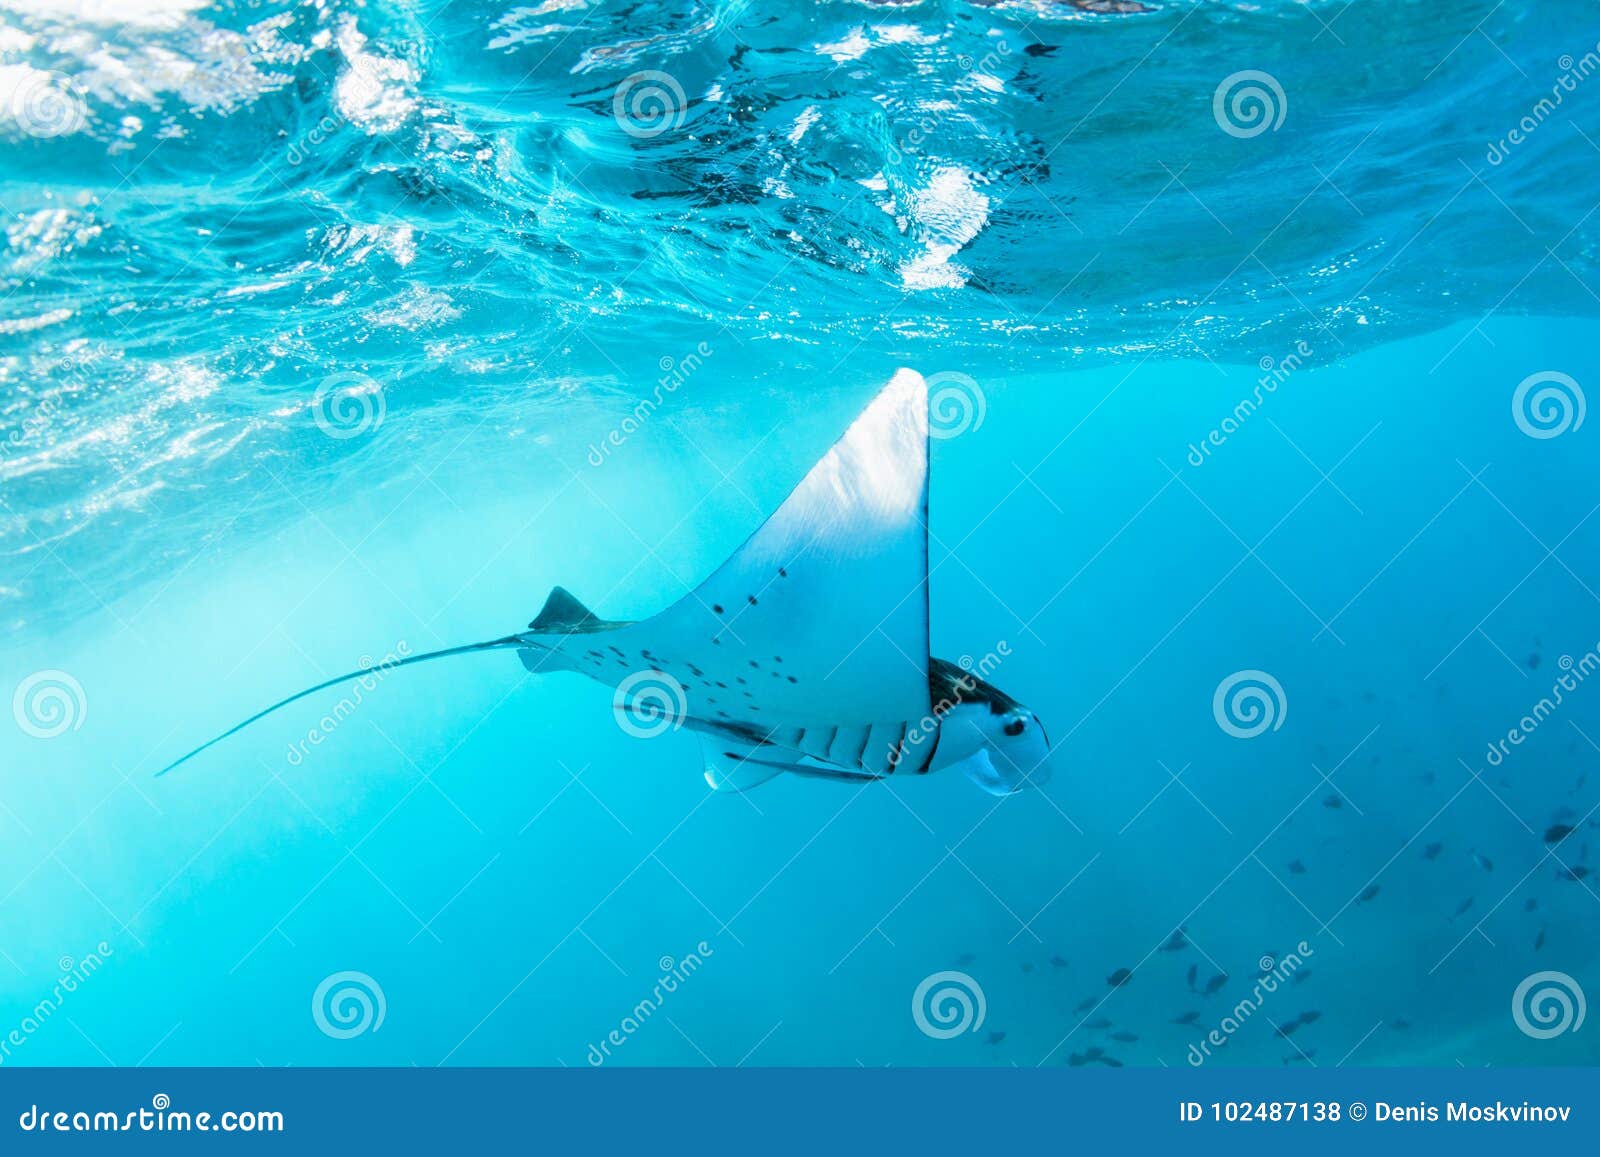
(806,652)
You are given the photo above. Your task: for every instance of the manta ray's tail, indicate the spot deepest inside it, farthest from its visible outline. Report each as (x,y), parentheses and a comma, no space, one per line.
(386,665)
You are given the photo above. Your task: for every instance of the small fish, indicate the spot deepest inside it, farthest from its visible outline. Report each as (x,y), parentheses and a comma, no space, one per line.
(996,1037)
(1576,872)
(1193,971)
(1370,891)
(965,958)
(1303,1058)
(1120,977)
(1303,974)
(1176,941)
(1432,851)
(1087,1003)
(1093,1056)
(1399,1024)
(1296,868)
(1482,861)
(1555,833)
(1125,1036)
(1310,1017)
(1215,983)
(1333,801)
(1531,905)
(1533,661)
(1094,1052)
(1187,1018)
(1538,941)
(1287,1030)
(1058,962)
(1098,1023)
(1465,904)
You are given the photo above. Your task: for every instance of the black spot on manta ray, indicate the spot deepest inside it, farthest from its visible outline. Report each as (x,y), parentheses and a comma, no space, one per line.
(754,665)
(782,573)
(721,684)
(792,679)
(717,607)
(752,599)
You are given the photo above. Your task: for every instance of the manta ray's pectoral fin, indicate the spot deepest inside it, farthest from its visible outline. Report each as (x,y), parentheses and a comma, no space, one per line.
(733,767)
(829,772)
(815,616)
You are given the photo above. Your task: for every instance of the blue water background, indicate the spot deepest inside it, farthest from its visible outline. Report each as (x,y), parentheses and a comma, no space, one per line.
(508,865)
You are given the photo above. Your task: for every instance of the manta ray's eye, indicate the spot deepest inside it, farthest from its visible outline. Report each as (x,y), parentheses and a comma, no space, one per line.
(1015,727)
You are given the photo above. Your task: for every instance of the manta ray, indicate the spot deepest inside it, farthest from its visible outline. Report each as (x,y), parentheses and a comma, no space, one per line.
(807,652)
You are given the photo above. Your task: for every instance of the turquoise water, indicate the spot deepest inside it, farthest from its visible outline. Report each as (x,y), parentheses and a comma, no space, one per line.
(324,337)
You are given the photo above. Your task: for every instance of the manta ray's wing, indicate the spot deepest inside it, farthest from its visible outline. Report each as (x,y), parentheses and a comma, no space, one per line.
(818,624)
(821,617)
